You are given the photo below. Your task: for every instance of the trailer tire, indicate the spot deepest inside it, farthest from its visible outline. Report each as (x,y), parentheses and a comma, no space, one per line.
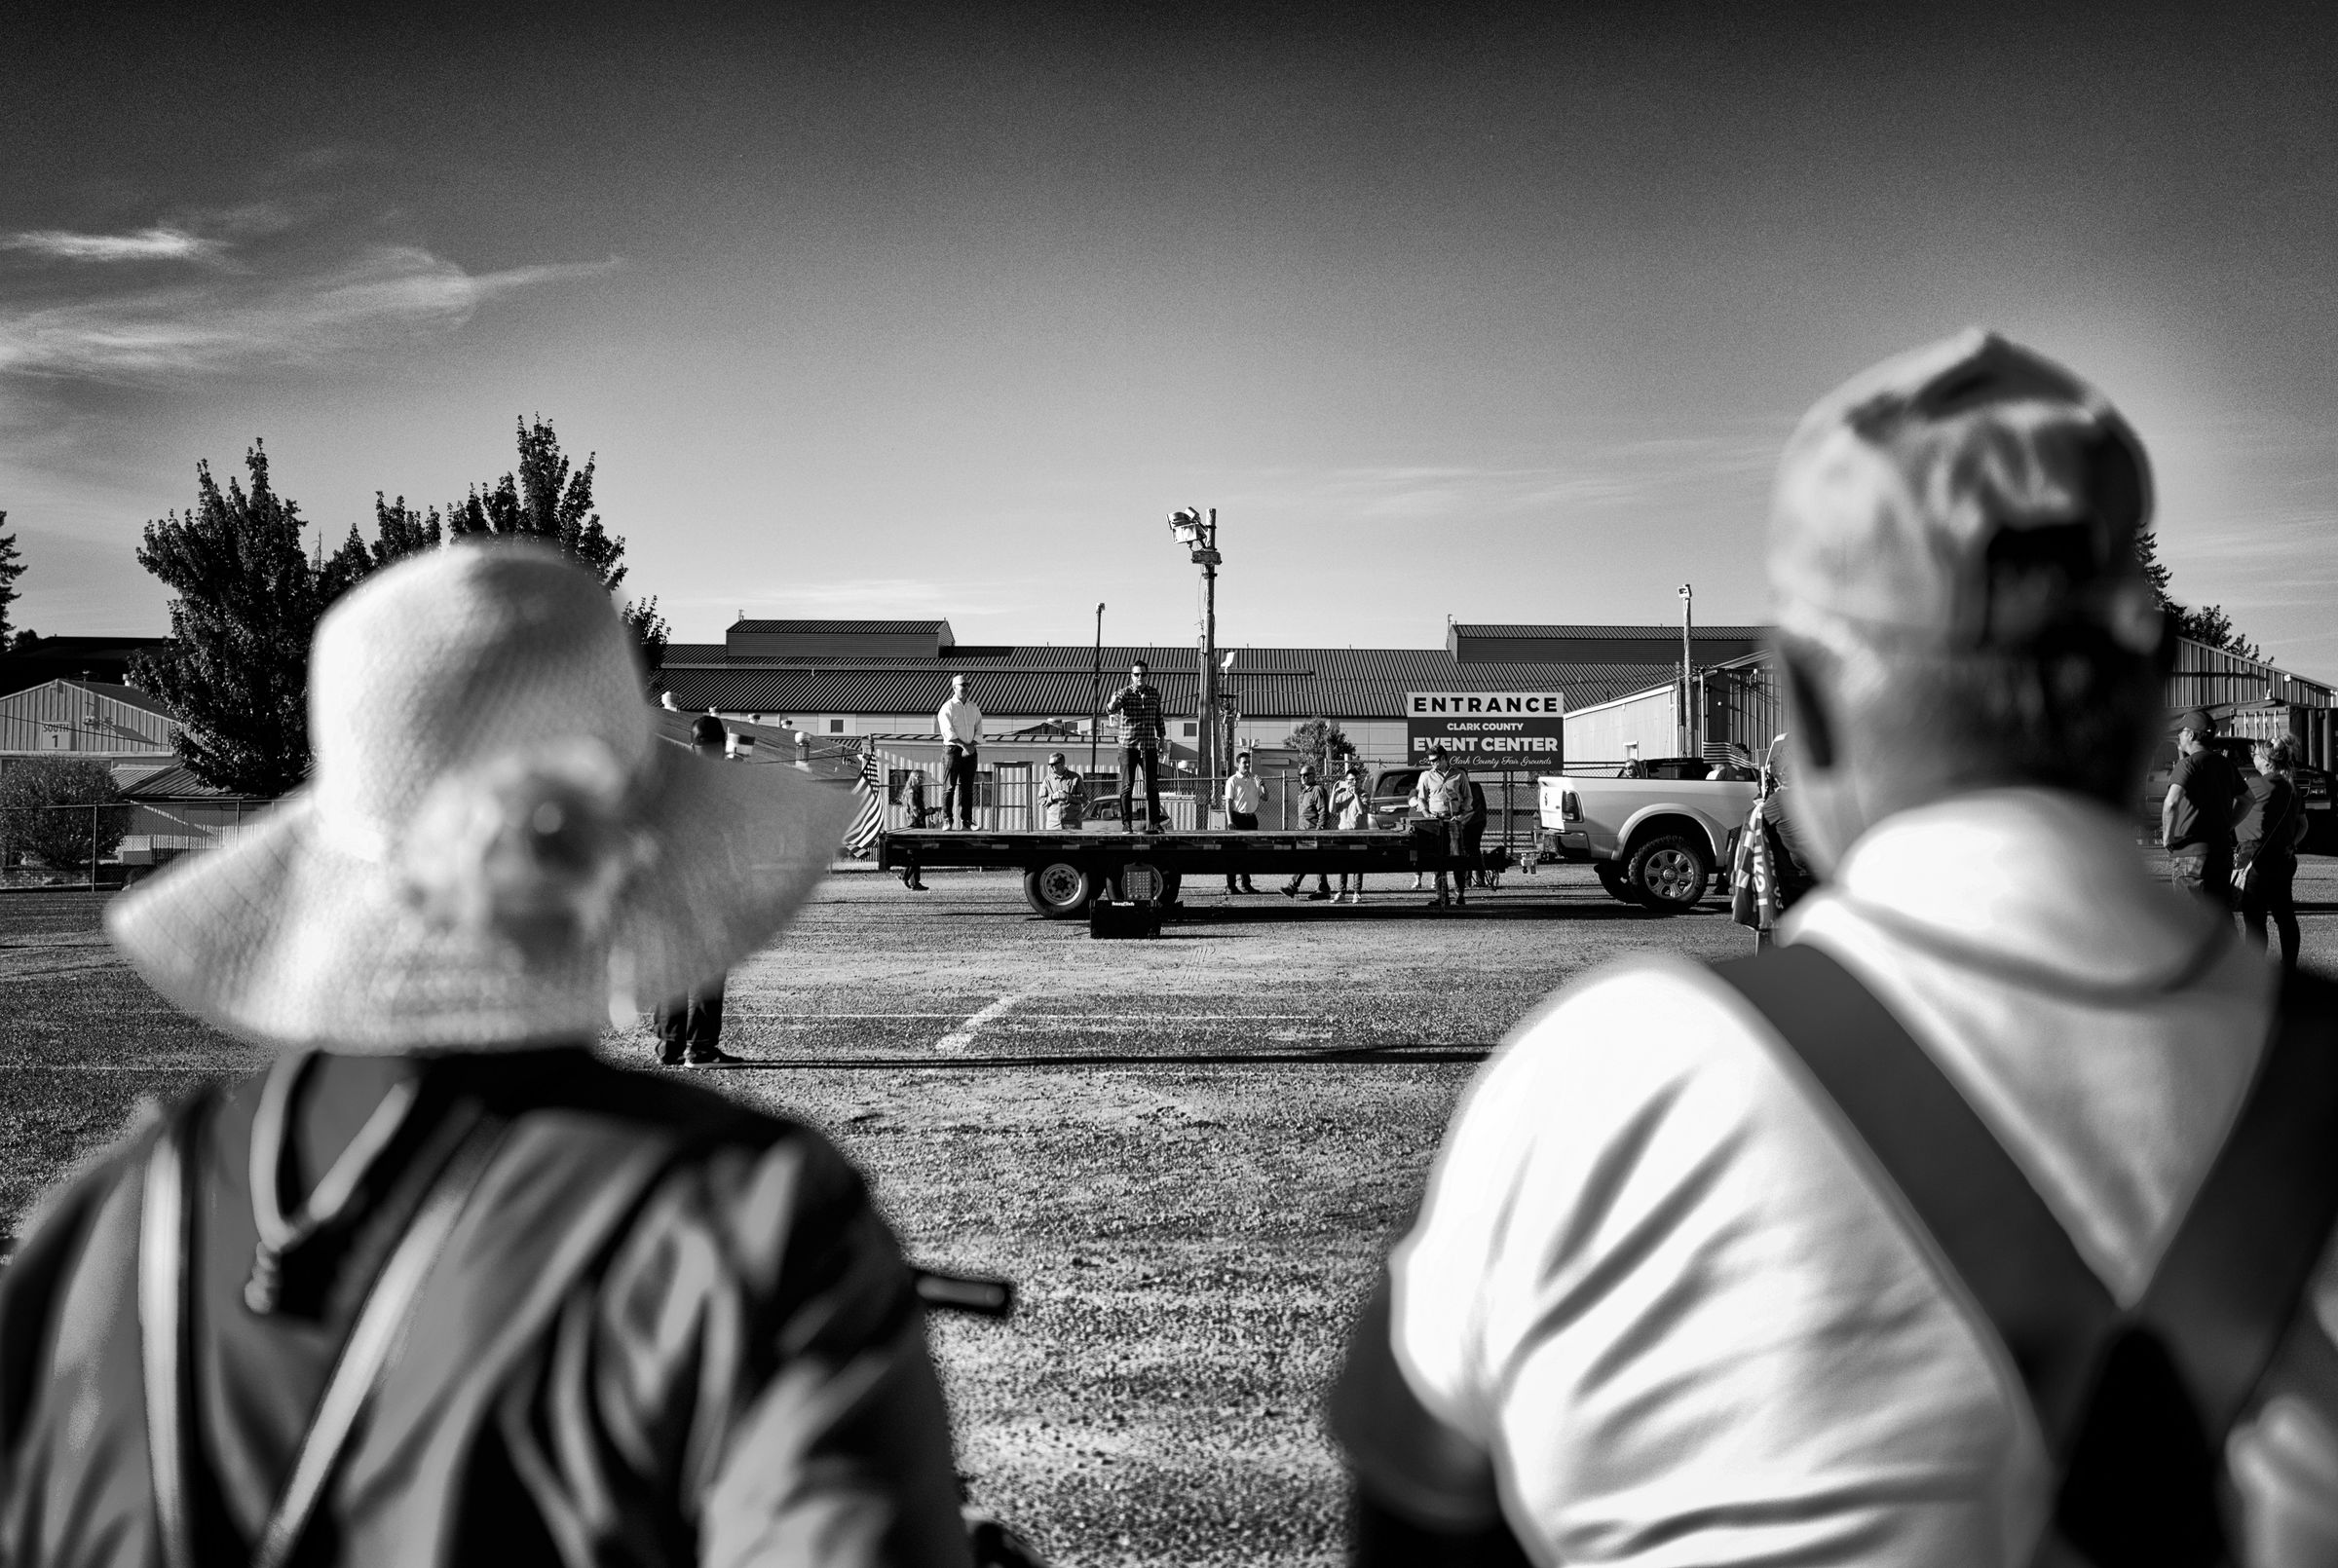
(1670,873)
(1614,878)
(1059,890)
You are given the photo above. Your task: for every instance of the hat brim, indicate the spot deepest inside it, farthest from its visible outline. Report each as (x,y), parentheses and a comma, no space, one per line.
(289,938)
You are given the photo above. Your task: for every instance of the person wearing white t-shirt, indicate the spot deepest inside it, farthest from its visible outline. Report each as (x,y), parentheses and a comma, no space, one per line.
(1245,792)
(960,722)
(1679,1294)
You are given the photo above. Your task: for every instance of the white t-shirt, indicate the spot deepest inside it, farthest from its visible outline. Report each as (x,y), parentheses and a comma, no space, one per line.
(1243,793)
(960,721)
(1666,1291)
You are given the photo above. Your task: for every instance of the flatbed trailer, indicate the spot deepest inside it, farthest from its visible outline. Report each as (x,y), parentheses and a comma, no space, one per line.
(1064,872)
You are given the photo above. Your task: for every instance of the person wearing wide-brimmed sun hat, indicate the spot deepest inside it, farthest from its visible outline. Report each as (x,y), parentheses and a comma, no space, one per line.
(438,1286)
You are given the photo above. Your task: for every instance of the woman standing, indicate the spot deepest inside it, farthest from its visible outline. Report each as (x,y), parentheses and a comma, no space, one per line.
(1351,812)
(2265,841)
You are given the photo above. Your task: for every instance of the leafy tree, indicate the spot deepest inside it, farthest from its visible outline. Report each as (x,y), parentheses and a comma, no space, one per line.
(31,792)
(2209,624)
(548,498)
(1322,740)
(10,569)
(236,670)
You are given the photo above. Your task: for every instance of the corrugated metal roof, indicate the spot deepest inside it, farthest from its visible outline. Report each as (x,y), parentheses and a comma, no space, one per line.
(1603,633)
(177,783)
(85,717)
(843,628)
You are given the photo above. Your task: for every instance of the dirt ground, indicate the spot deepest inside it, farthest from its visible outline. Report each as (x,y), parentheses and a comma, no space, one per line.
(1191,1152)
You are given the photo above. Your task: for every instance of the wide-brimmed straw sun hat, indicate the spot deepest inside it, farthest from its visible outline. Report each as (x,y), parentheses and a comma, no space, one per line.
(493,849)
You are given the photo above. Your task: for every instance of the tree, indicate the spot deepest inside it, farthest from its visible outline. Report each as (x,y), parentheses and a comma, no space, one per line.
(10,569)
(236,670)
(2209,624)
(1322,740)
(546,497)
(38,798)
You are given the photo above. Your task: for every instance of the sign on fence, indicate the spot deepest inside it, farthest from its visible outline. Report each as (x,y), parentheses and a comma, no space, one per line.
(1515,728)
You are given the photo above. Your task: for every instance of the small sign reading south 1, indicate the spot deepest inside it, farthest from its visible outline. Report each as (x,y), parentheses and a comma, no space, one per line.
(1492,728)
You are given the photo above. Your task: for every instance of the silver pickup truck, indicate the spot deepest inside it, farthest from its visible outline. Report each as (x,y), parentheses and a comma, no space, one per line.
(1656,838)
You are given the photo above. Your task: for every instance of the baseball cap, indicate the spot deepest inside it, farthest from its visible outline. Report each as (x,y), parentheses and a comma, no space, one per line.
(1055,756)
(2198,721)
(1970,494)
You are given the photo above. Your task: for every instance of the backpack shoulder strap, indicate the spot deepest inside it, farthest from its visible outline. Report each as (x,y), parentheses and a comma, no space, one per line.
(165,1228)
(2232,1278)
(2005,1247)
(166,1312)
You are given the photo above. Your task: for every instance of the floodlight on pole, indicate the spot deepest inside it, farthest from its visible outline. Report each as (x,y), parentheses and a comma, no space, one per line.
(1198,532)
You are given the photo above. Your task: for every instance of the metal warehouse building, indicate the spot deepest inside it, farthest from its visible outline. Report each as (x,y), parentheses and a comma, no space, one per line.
(884,679)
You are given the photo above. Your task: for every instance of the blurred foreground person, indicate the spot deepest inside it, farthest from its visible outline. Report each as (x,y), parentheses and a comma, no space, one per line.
(439,1286)
(2265,845)
(1976,1224)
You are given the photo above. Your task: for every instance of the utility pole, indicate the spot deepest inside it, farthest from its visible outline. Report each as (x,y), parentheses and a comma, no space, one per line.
(1200,537)
(1688,682)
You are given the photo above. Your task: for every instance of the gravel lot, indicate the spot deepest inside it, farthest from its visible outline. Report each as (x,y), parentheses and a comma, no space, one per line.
(1191,1151)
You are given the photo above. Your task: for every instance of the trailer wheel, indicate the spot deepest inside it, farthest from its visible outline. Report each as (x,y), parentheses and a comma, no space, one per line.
(1670,874)
(1613,878)
(1059,890)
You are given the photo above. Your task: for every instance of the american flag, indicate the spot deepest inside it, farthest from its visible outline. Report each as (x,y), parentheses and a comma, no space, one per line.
(870,820)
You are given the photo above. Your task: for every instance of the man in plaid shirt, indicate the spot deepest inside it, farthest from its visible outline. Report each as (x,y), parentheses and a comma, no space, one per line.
(1138,707)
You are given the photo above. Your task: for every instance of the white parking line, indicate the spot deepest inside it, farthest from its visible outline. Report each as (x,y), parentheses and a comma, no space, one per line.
(958,1038)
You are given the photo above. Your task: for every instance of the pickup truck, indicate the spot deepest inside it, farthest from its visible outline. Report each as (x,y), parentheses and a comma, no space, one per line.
(1654,839)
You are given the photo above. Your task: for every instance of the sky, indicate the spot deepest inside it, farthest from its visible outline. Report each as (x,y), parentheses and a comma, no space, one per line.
(1488,313)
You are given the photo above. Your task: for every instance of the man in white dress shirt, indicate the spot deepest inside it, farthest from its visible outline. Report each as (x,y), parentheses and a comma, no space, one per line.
(1667,1302)
(960,726)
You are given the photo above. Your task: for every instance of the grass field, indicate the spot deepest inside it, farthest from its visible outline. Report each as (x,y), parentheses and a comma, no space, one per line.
(1191,1152)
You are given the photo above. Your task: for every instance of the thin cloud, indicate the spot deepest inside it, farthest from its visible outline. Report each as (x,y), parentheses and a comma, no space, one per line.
(231,323)
(159,243)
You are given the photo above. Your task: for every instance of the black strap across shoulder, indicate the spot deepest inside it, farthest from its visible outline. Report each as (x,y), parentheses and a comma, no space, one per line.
(165,1288)
(2134,1404)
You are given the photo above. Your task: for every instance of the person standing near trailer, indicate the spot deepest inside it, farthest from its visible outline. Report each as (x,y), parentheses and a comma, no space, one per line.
(2196,818)
(1351,812)
(1245,791)
(1137,706)
(1441,815)
(1063,798)
(690,1026)
(961,725)
(1473,834)
(2265,841)
(1314,811)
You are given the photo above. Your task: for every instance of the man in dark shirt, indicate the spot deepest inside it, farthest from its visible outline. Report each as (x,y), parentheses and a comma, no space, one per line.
(1314,811)
(2196,820)
(1138,707)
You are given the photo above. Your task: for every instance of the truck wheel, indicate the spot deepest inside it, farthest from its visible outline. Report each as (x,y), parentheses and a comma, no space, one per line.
(1614,878)
(1059,890)
(1670,873)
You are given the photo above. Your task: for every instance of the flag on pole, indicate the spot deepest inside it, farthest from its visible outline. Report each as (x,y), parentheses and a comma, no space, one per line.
(1754,894)
(870,821)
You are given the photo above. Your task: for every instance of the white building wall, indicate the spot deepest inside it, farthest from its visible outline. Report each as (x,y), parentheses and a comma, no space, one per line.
(1646,723)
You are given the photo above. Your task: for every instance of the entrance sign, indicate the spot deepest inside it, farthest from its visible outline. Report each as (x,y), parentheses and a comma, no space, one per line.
(1493,728)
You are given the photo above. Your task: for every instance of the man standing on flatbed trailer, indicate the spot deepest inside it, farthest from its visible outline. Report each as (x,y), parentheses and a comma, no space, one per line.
(961,724)
(1138,707)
